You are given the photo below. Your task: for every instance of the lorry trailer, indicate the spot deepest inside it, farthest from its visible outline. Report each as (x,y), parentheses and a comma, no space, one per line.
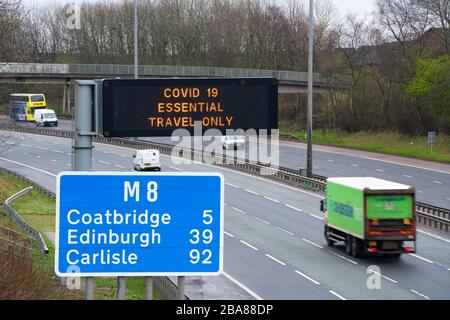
(370,216)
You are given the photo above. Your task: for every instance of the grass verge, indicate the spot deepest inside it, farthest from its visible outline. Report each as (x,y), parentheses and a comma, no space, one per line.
(38,209)
(383,142)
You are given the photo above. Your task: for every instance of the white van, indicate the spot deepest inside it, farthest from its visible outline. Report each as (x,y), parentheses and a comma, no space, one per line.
(45,117)
(146,160)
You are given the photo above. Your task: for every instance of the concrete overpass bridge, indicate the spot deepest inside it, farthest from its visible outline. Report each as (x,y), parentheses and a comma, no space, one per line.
(64,74)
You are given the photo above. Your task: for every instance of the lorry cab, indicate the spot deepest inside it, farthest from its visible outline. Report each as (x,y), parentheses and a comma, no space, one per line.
(45,117)
(370,216)
(146,160)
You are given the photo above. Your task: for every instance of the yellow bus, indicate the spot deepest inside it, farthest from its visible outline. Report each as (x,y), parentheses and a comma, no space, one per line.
(23,105)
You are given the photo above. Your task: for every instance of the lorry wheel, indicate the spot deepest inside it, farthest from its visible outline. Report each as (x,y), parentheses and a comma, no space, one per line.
(348,245)
(356,247)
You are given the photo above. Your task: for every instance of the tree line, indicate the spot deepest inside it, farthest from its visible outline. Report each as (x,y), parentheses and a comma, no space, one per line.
(388,55)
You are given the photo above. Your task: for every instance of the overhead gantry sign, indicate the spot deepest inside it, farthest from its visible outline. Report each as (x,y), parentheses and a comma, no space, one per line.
(157,107)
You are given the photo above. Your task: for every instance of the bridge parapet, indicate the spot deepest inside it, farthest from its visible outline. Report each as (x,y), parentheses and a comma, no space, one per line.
(116,70)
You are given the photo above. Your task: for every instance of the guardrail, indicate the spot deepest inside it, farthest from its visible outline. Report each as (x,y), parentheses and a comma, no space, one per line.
(22,223)
(427,214)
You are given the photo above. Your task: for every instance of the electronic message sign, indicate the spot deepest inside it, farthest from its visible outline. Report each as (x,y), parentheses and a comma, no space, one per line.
(128,224)
(157,107)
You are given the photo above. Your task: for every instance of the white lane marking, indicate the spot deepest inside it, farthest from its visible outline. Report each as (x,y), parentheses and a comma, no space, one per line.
(104,162)
(228,234)
(27,166)
(261,220)
(437,182)
(249,245)
(307,277)
(421,258)
(420,191)
(337,295)
(105,152)
(284,230)
(38,157)
(122,155)
(407,176)
(433,235)
(69,164)
(379,170)
(25,153)
(253,294)
(239,210)
(270,199)
(401,164)
(25,145)
(41,148)
(293,208)
(53,160)
(227,169)
(275,259)
(330,160)
(176,169)
(232,185)
(447,198)
(355,165)
(69,154)
(240,173)
(312,243)
(342,257)
(317,217)
(250,191)
(383,276)
(57,151)
(119,166)
(420,294)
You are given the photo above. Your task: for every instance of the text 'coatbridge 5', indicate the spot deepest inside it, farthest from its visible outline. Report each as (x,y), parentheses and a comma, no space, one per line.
(157,107)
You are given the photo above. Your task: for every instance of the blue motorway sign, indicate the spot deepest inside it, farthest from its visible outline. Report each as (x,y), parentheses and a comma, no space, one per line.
(139,224)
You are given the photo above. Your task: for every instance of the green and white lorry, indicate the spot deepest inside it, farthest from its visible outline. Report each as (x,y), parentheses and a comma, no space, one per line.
(370,216)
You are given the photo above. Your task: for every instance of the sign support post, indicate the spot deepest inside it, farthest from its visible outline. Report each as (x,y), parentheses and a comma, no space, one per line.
(148,288)
(181,288)
(83,142)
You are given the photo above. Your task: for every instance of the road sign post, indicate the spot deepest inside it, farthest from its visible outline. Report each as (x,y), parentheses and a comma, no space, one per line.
(431,140)
(128,224)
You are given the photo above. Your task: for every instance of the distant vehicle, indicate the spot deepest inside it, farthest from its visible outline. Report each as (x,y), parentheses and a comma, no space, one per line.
(22,106)
(233,142)
(146,160)
(45,117)
(370,216)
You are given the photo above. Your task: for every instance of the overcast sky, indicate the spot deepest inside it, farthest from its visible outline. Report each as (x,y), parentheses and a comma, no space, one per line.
(360,7)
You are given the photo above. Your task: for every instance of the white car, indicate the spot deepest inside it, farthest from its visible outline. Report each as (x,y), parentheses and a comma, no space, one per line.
(233,142)
(146,160)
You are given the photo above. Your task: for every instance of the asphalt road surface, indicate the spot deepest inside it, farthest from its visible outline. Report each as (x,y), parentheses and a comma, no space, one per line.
(431,180)
(274,246)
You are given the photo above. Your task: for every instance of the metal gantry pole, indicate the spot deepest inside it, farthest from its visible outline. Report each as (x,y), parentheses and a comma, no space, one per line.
(309,166)
(82,147)
(136,39)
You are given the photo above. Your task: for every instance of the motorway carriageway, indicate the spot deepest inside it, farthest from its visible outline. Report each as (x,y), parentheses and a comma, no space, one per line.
(274,246)
(432,185)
